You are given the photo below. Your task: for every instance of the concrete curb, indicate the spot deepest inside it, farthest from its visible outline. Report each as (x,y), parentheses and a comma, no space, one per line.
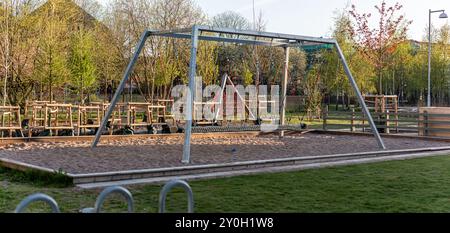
(238,167)
(215,175)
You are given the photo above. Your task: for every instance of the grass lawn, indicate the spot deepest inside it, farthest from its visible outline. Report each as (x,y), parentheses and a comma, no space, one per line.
(297,118)
(421,185)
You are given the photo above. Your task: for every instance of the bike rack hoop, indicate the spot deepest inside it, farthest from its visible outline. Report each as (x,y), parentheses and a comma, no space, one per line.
(168,187)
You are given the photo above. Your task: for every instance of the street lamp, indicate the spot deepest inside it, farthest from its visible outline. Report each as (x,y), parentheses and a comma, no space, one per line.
(443,15)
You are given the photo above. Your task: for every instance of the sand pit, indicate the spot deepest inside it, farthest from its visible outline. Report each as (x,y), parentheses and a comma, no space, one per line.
(146,153)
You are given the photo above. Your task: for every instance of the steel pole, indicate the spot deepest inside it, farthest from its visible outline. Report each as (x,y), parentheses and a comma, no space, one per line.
(191,96)
(125,78)
(429,60)
(284,89)
(360,98)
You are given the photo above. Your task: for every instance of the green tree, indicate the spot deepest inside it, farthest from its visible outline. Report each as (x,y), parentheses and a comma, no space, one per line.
(313,89)
(207,62)
(297,71)
(17,50)
(81,63)
(50,67)
(377,44)
(440,62)
(334,78)
(400,72)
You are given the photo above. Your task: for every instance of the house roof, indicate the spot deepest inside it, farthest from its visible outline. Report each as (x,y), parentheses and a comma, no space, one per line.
(68,9)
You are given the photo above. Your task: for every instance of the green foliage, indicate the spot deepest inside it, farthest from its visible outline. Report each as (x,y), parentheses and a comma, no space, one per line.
(207,60)
(166,70)
(377,44)
(312,87)
(81,63)
(58,46)
(51,59)
(247,76)
(297,71)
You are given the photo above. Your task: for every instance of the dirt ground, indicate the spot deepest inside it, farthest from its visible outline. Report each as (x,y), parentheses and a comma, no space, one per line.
(132,154)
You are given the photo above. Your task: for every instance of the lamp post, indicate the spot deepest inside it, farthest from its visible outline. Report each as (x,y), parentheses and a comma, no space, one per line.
(443,15)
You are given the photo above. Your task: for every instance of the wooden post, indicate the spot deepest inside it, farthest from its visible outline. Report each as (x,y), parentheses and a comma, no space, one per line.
(71,120)
(376,104)
(79,120)
(352,128)
(363,122)
(388,130)
(47,121)
(396,115)
(56,120)
(325,117)
(19,121)
(9,123)
(3,123)
(128,114)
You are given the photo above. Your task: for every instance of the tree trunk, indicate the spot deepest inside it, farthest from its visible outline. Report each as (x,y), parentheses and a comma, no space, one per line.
(82,92)
(6,54)
(380,79)
(337,100)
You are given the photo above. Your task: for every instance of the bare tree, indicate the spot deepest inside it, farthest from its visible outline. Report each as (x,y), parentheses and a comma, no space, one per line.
(231,19)
(6,55)
(16,49)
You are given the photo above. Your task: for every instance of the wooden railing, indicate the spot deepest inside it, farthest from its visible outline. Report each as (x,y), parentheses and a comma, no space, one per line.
(424,124)
(51,117)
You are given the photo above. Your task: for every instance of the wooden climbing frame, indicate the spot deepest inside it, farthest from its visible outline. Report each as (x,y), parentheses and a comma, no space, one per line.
(89,117)
(58,117)
(10,120)
(168,104)
(152,114)
(35,110)
(116,117)
(29,105)
(384,105)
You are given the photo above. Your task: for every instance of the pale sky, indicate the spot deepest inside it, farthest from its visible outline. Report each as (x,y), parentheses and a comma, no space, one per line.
(315,17)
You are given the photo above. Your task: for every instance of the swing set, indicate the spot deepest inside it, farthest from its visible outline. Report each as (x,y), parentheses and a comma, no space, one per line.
(256,38)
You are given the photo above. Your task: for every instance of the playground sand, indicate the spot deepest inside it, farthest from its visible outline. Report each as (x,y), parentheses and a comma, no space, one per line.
(144,153)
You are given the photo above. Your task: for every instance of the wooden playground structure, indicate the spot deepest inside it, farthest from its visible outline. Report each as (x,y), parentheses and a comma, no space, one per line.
(10,120)
(382,103)
(384,106)
(45,118)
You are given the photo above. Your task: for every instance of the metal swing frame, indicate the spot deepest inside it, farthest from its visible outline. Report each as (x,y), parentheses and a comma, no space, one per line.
(244,37)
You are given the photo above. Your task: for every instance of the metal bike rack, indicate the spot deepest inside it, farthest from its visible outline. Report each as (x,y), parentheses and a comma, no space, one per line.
(108,191)
(35,198)
(168,187)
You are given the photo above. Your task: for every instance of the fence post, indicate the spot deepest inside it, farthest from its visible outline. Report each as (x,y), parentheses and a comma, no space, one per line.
(363,122)
(388,130)
(325,117)
(425,123)
(352,128)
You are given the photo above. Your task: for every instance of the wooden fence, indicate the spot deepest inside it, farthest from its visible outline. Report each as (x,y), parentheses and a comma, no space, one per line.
(423,124)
